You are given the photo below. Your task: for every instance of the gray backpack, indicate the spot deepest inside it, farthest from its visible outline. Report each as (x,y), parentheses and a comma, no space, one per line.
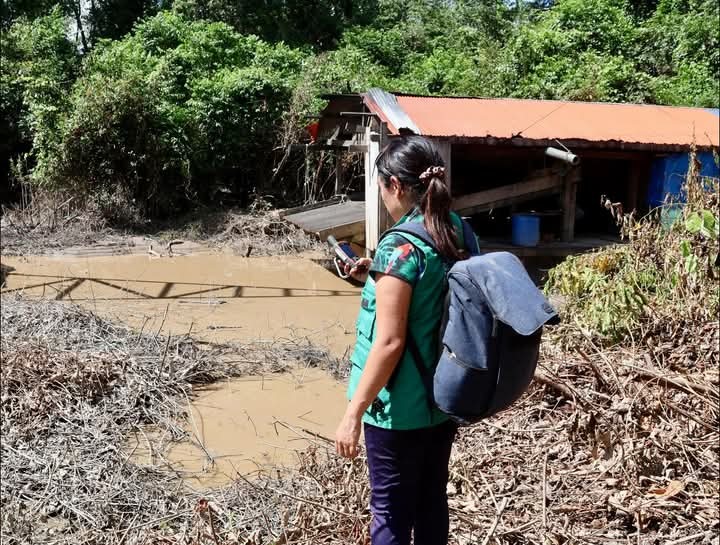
(489,335)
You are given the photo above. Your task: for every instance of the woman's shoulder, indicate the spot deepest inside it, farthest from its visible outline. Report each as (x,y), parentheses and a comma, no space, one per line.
(399,257)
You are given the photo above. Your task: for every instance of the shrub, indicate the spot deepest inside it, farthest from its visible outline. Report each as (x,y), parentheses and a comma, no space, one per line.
(171,114)
(663,275)
(38,67)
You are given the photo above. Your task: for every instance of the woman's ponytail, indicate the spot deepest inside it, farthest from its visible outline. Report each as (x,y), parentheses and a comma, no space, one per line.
(435,208)
(417,164)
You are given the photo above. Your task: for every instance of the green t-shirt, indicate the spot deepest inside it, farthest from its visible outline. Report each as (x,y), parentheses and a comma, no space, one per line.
(408,258)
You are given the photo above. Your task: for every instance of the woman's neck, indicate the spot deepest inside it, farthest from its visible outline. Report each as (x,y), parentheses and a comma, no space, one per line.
(408,211)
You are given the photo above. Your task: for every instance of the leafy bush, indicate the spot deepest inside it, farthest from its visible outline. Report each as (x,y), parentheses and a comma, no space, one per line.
(662,275)
(38,67)
(679,46)
(171,114)
(577,51)
(317,23)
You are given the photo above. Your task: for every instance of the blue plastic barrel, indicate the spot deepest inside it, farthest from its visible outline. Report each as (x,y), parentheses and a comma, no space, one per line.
(525,229)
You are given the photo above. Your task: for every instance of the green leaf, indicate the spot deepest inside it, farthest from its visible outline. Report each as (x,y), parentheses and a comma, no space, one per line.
(685,248)
(710,225)
(693,223)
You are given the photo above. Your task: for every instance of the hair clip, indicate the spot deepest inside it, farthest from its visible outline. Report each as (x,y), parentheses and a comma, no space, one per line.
(433,172)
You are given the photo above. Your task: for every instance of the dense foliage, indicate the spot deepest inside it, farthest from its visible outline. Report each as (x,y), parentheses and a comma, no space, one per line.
(666,274)
(38,67)
(162,103)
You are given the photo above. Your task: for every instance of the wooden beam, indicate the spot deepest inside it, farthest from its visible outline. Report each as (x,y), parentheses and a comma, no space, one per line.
(373,202)
(338,173)
(347,231)
(306,207)
(550,249)
(340,145)
(385,221)
(570,182)
(544,183)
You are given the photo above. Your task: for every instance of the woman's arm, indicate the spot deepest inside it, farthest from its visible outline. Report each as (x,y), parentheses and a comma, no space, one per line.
(393,303)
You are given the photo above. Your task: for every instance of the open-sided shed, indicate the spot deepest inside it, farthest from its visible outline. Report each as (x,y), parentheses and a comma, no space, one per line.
(557,157)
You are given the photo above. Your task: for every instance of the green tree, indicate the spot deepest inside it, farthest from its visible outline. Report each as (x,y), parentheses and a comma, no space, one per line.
(317,23)
(576,50)
(171,114)
(679,47)
(435,47)
(38,67)
(12,10)
(113,19)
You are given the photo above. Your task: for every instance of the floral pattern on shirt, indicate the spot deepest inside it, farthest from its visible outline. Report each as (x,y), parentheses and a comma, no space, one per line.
(399,258)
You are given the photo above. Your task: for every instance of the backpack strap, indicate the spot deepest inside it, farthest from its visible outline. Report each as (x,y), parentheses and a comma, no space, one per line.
(471,243)
(418,230)
(426,374)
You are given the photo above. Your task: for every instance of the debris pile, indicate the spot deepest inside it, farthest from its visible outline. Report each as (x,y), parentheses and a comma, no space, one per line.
(617,441)
(74,387)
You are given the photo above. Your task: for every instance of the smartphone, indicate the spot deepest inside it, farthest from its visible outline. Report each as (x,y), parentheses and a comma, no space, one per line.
(351,255)
(348,253)
(343,251)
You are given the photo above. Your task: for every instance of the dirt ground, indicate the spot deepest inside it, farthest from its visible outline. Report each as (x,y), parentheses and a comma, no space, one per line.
(609,446)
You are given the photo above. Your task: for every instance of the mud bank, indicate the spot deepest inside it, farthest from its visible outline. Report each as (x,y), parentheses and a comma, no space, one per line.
(249,425)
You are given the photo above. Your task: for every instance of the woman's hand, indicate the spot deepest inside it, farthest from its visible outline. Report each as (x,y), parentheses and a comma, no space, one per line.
(359,271)
(347,436)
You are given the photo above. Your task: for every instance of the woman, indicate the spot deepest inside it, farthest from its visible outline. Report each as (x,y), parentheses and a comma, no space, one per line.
(408,441)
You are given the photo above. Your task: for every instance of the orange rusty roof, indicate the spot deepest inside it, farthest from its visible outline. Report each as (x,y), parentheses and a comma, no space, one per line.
(482,118)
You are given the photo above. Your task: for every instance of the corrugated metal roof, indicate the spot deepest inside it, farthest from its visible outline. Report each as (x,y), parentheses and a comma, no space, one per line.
(640,124)
(394,115)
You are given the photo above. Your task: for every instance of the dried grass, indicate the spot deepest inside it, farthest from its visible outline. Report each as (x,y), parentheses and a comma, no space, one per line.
(47,220)
(74,387)
(261,231)
(50,224)
(605,444)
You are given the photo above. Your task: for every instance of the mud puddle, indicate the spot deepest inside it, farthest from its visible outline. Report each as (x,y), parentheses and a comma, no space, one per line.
(215,297)
(250,425)
(245,425)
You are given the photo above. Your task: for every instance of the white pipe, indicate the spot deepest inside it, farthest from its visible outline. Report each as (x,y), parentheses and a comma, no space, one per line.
(566,156)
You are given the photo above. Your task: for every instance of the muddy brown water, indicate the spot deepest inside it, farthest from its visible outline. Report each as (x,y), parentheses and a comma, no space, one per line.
(247,424)
(216,297)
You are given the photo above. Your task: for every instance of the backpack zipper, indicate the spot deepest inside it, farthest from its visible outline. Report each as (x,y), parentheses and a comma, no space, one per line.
(463,363)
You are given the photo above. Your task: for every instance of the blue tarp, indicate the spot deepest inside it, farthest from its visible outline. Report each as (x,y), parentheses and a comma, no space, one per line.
(668,174)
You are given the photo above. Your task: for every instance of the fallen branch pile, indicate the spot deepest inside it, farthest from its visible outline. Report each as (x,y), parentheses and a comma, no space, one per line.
(74,387)
(606,448)
(262,233)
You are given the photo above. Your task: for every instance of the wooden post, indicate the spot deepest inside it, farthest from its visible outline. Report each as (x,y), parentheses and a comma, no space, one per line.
(372,191)
(445,149)
(384,219)
(570,182)
(338,172)
(306,184)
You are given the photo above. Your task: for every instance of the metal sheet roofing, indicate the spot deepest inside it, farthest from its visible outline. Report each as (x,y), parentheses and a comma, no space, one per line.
(478,118)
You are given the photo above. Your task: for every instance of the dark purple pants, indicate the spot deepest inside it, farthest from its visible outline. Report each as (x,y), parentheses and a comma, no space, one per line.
(408,482)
